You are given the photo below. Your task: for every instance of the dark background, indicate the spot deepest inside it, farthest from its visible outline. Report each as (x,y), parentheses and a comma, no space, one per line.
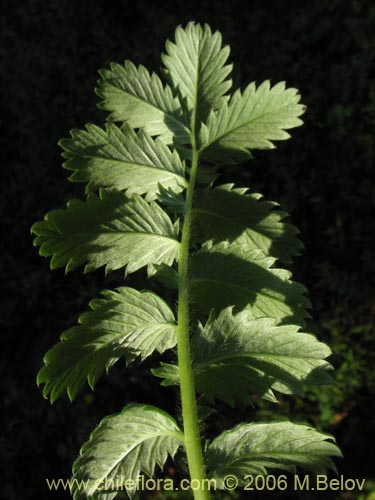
(50,54)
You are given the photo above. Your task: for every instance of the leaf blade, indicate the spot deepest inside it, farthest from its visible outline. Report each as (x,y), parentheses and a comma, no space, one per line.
(196,65)
(231,275)
(123,324)
(120,159)
(109,230)
(236,356)
(251,120)
(228,213)
(136,440)
(258,447)
(134,95)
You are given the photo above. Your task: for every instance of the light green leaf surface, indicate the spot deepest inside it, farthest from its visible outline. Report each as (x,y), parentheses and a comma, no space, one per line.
(111,230)
(232,275)
(250,120)
(236,357)
(196,66)
(124,445)
(134,95)
(124,323)
(168,372)
(227,213)
(121,159)
(259,448)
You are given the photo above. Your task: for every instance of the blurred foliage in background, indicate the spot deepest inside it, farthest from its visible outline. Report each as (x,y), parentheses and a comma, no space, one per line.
(50,53)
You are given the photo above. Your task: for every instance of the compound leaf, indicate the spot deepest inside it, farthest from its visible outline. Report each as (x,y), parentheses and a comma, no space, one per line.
(225,213)
(232,275)
(124,323)
(250,120)
(196,67)
(134,95)
(110,229)
(236,357)
(257,448)
(251,344)
(121,159)
(136,440)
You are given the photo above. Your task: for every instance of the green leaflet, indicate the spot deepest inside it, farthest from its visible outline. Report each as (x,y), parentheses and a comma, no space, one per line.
(121,159)
(134,95)
(231,275)
(173,203)
(111,230)
(226,213)
(124,323)
(196,68)
(168,372)
(236,357)
(136,440)
(258,448)
(250,120)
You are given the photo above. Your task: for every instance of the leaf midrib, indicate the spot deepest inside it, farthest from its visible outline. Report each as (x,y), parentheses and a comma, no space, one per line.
(244,124)
(177,434)
(252,356)
(180,124)
(121,233)
(133,163)
(274,453)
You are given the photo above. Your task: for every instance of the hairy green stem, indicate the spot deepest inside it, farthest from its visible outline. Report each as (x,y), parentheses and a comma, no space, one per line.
(187,385)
